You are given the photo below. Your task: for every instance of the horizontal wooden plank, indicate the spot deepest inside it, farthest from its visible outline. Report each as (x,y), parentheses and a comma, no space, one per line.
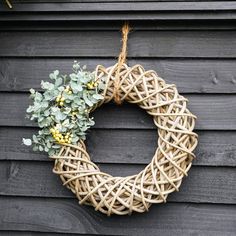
(112,25)
(28,233)
(118,16)
(66,216)
(95,11)
(204,184)
(123,6)
(188,44)
(124,146)
(210,109)
(190,76)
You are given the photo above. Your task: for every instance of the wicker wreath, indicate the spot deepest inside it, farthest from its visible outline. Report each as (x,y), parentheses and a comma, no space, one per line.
(170,163)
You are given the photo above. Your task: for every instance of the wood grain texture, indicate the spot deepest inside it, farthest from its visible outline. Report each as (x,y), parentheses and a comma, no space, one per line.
(50,215)
(125,146)
(151,10)
(28,233)
(34,179)
(123,6)
(119,16)
(188,44)
(111,25)
(190,76)
(210,109)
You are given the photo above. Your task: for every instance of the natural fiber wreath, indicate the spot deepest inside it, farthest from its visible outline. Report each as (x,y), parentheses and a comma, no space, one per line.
(170,163)
(62,112)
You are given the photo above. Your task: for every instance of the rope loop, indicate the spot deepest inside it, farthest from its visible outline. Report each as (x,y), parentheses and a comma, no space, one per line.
(121,61)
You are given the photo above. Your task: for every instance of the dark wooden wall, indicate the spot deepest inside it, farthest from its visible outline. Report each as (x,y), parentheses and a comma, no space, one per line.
(190,43)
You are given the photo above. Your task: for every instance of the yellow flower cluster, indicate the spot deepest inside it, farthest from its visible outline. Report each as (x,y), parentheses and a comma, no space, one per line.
(92,85)
(60,100)
(74,113)
(68,89)
(61,138)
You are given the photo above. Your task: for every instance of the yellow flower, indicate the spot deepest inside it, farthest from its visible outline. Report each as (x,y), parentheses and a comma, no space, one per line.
(52,130)
(90,85)
(57,139)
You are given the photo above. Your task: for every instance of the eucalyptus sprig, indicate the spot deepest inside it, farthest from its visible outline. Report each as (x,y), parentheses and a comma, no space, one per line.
(62,109)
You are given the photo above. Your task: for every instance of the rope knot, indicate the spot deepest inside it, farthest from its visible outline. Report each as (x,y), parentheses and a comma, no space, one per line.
(121,61)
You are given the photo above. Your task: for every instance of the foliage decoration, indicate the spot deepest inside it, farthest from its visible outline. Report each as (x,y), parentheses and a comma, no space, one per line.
(62,110)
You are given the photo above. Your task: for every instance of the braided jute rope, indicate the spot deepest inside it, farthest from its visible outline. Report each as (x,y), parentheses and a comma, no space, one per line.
(170,163)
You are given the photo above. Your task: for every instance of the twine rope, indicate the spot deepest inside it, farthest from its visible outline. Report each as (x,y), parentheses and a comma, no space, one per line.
(121,61)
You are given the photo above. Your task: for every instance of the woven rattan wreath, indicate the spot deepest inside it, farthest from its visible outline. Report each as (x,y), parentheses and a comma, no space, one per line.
(170,163)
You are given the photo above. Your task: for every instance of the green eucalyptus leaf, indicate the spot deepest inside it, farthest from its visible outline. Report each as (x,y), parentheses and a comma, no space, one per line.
(73,77)
(52,76)
(35,148)
(60,116)
(80,87)
(60,89)
(27,141)
(87,101)
(98,96)
(32,91)
(47,85)
(30,109)
(35,139)
(74,87)
(58,81)
(56,72)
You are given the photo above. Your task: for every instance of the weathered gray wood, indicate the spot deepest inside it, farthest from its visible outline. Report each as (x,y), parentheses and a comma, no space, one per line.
(123,6)
(66,216)
(124,146)
(119,16)
(188,44)
(111,25)
(34,179)
(190,76)
(158,10)
(27,233)
(215,112)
